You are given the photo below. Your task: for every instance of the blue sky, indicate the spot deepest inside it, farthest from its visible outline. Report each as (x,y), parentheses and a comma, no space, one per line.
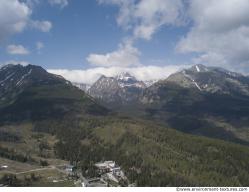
(152,38)
(84,27)
(75,33)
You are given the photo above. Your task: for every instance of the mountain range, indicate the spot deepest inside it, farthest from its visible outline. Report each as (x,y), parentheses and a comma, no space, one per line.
(208,101)
(190,129)
(206,79)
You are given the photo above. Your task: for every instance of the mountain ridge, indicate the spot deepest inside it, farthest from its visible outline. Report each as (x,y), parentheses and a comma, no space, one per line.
(200,77)
(23,94)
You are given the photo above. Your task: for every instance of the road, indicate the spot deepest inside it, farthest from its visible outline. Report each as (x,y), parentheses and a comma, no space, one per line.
(51,167)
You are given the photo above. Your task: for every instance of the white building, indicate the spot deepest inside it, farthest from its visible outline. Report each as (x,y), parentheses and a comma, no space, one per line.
(109,166)
(4,166)
(69,168)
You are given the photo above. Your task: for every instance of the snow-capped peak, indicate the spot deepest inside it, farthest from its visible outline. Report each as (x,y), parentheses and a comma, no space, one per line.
(125,76)
(126,80)
(150,82)
(199,68)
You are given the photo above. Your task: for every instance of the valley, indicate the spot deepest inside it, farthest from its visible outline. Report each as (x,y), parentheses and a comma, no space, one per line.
(173,136)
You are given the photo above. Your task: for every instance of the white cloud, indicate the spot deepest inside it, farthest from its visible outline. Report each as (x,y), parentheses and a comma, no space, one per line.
(39,45)
(145,17)
(31,3)
(89,76)
(219,30)
(44,26)
(14,17)
(61,3)
(125,56)
(220,33)
(17,50)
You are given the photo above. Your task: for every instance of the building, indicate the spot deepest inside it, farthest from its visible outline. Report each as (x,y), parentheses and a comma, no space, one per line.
(108,166)
(69,168)
(111,169)
(3,167)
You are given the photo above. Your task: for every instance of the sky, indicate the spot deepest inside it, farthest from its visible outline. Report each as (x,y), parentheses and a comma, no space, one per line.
(82,39)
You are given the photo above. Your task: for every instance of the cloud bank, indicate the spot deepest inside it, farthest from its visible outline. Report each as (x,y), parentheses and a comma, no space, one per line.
(89,76)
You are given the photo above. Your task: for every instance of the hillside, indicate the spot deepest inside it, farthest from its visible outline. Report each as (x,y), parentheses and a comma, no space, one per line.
(150,155)
(49,123)
(209,101)
(34,94)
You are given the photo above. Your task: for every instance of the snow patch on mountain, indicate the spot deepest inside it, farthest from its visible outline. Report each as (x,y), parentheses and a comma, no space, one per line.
(8,77)
(23,77)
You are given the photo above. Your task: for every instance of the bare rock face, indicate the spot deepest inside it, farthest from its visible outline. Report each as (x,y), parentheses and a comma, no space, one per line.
(121,89)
